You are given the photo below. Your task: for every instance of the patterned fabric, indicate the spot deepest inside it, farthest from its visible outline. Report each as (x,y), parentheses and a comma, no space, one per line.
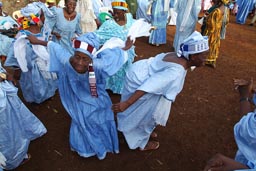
(212,30)
(119,4)
(111,29)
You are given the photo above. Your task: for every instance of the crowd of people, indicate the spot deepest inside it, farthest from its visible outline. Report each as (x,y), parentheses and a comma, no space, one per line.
(83,48)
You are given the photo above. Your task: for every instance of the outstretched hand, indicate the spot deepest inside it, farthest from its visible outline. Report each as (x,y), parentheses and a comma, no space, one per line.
(220,162)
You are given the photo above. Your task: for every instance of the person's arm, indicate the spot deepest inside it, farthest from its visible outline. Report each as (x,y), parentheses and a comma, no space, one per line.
(220,162)
(245,91)
(122,106)
(33,40)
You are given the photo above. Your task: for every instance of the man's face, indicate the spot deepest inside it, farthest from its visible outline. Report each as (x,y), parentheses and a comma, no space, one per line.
(199,59)
(80,62)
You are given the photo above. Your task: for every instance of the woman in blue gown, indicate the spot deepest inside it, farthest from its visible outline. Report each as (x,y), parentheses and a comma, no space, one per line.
(37,84)
(18,126)
(66,24)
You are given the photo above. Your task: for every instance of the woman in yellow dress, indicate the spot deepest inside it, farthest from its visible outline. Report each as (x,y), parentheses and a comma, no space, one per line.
(212,29)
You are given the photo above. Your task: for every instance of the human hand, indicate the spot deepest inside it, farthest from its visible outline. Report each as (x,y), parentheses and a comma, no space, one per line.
(57,35)
(128,44)
(220,162)
(33,39)
(244,87)
(120,107)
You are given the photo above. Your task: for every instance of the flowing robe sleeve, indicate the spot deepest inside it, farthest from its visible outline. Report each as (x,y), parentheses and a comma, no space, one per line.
(110,61)
(245,136)
(58,56)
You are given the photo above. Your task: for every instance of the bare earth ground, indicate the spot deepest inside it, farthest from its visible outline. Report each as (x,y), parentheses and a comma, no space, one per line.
(200,124)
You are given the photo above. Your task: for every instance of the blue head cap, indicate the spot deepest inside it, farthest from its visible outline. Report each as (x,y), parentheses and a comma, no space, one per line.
(87,43)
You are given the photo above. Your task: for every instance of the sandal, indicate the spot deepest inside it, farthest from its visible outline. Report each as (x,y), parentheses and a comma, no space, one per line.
(151,145)
(153,135)
(26,159)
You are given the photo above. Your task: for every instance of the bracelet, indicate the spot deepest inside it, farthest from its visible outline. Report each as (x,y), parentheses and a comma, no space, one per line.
(3,76)
(245,99)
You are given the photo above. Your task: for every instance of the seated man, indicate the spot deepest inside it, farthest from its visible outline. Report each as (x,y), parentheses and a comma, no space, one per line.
(245,134)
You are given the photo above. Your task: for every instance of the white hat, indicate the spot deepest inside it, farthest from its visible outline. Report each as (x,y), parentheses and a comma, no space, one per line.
(195,43)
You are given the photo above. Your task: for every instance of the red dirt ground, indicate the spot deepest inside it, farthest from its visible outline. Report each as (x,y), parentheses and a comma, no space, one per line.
(200,124)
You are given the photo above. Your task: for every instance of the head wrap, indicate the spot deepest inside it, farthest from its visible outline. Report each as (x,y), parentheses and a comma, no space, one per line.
(225,2)
(51,1)
(31,8)
(31,14)
(195,43)
(120,4)
(87,43)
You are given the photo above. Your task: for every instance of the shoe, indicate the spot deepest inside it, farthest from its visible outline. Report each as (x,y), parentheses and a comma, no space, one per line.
(151,145)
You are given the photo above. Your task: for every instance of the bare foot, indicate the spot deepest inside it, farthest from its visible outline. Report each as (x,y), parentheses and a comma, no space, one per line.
(151,145)
(153,135)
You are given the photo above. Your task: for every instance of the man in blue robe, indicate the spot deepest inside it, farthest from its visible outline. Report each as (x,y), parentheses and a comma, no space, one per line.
(93,129)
